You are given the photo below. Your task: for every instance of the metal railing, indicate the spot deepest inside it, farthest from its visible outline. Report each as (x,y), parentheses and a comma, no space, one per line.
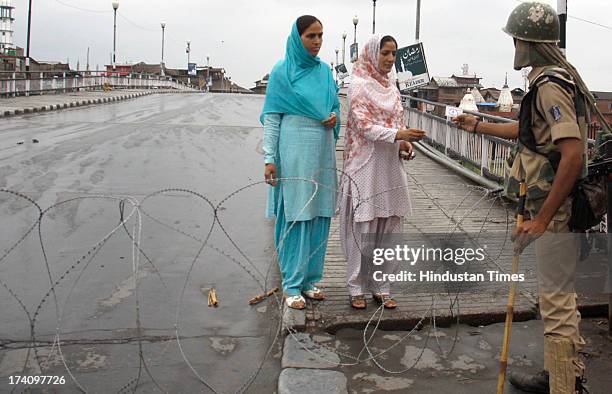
(32,83)
(483,155)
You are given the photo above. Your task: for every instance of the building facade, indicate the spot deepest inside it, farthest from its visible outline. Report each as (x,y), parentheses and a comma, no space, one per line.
(261,85)
(448,90)
(604,103)
(6,27)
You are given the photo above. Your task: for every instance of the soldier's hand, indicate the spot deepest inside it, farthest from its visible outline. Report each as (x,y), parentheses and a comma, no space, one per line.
(526,233)
(466,122)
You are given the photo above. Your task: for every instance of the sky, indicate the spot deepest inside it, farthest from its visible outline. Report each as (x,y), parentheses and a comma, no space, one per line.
(247,37)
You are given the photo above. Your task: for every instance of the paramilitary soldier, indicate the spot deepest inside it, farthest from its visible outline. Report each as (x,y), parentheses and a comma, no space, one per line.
(550,157)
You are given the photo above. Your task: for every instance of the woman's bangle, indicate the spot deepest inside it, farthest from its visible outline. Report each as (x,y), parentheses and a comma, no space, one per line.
(476,127)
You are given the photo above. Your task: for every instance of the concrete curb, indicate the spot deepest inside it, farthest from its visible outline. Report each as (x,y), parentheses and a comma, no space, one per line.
(300,369)
(53,107)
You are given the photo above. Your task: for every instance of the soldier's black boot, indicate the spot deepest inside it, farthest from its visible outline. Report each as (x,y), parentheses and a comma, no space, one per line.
(581,388)
(538,383)
(531,383)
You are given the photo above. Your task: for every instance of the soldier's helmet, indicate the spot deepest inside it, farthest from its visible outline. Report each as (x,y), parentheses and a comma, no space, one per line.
(533,21)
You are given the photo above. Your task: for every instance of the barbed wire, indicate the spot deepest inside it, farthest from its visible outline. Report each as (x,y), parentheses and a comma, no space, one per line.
(243,261)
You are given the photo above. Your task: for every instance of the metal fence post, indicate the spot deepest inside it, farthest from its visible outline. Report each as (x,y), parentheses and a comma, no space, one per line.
(27,84)
(447,139)
(484,154)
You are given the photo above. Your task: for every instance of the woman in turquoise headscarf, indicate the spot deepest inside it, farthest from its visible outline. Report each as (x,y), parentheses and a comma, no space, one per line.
(301,118)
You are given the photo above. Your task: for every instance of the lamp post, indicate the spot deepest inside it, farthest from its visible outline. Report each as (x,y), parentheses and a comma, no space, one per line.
(115,6)
(418,21)
(343,48)
(374,17)
(355,22)
(337,51)
(188,50)
(207,71)
(337,64)
(27,59)
(163,26)
(562,11)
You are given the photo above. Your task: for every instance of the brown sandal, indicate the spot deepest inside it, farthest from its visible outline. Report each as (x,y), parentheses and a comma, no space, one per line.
(358,302)
(386,300)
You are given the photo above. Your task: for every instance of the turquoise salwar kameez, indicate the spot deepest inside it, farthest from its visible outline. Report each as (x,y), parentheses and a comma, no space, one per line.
(301,93)
(303,149)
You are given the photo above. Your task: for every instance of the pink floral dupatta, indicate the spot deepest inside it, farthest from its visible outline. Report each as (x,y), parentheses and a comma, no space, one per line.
(374,103)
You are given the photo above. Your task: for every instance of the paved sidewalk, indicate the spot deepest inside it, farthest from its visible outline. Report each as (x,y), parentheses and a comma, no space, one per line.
(457,359)
(48,102)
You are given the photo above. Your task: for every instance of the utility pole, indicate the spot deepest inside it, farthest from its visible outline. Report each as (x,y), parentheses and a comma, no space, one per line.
(417,31)
(562,11)
(188,50)
(87,67)
(337,50)
(28,39)
(163,26)
(115,6)
(208,73)
(343,48)
(374,17)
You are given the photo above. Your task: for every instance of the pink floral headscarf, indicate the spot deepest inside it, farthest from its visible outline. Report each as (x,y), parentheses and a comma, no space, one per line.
(374,101)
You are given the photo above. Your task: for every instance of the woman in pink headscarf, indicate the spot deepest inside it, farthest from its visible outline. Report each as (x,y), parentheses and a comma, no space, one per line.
(374,189)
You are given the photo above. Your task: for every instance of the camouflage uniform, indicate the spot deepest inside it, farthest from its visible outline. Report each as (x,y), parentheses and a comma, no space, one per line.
(556,114)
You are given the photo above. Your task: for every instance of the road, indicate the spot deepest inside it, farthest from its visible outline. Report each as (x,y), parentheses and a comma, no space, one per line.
(117,312)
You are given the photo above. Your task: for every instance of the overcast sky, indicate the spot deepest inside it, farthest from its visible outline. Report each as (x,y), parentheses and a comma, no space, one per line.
(248,36)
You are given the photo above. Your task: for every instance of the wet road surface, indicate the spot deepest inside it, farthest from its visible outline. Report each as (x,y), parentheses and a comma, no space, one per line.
(94,290)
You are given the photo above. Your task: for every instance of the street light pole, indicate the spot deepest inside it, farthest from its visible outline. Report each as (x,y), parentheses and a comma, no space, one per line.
(115,6)
(337,50)
(355,22)
(163,26)
(418,21)
(344,48)
(188,50)
(374,17)
(28,40)
(562,11)
(207,72)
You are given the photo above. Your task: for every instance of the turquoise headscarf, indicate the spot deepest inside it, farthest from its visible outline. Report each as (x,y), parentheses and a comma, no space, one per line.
(302,85)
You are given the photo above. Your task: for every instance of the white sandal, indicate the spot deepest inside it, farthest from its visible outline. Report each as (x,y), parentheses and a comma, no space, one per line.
(314,294)
(295,302)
